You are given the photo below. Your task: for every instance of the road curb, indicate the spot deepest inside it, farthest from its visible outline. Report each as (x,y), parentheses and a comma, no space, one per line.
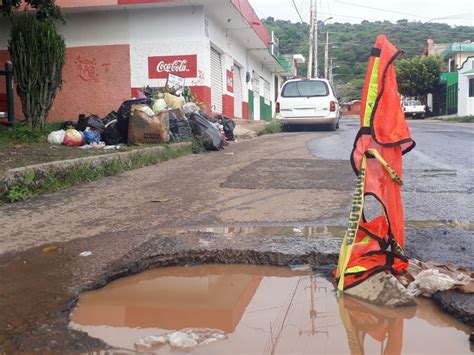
(16,176)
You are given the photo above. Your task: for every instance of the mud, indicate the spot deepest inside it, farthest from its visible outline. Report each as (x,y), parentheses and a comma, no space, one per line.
(262,310)
(42,287)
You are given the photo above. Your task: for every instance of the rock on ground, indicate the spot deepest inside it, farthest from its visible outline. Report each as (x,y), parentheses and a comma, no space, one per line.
(383,290)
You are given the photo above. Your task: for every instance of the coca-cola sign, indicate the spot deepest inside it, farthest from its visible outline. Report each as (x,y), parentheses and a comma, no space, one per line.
(184,66)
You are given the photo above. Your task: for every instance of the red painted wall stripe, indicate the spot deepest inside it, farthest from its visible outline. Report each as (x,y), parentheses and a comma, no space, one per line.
(228,106)
(245,110)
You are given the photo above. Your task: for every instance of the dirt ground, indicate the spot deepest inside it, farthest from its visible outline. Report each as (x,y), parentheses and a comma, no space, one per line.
(16,155)
(187,192)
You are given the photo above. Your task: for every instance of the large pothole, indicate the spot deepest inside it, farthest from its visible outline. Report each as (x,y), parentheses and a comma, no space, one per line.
(262,310)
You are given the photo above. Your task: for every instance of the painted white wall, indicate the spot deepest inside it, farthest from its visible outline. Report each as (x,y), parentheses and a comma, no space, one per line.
(167,31)
(95,28)
(235,52)
(465,103)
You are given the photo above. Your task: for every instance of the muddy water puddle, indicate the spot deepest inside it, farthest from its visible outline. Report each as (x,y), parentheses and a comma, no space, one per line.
(262,310)
(332,231)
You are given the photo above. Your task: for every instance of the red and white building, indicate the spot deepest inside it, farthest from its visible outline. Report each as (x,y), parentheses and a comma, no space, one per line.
(116,47)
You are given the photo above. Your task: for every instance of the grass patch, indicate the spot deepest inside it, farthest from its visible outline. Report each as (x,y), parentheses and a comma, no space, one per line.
(37,184)
(464,119)
(21,133)
(271,128)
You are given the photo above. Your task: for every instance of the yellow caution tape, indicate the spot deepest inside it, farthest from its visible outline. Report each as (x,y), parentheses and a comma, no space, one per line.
(381,160)
(354,221)
(355,270)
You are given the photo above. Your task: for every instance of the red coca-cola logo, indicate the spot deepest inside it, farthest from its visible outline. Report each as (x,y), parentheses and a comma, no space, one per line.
(184,66)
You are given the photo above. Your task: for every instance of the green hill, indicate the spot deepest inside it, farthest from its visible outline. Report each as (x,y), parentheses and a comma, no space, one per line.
(351,44)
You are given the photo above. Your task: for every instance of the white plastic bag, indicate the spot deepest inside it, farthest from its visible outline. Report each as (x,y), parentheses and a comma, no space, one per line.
(430,281)
(57,137)
(159,106)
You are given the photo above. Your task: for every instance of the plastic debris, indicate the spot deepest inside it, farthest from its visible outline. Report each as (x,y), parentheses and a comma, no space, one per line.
(430,281)
(57,137)
(190,108)
(301,267)
(92,136)
(50,248)
(182,340)
(158,106)
(185,339)
(100,145)
(116,146)
(73,138)
(150,342)
(85,253)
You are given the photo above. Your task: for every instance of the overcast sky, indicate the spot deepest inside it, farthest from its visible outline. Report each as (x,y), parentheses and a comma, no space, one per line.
(452,12)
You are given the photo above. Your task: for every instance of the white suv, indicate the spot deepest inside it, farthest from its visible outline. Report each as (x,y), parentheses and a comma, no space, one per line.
(308,102)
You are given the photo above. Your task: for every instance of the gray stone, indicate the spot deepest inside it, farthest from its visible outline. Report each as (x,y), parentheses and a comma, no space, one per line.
(383,290)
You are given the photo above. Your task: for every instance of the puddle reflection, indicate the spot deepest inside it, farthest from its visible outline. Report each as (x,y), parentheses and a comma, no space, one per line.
(300,231)
(264,310)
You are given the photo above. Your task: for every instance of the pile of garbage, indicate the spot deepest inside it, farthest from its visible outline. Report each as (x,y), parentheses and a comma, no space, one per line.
(155,118)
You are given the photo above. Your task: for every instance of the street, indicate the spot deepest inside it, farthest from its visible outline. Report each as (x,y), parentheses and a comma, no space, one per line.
(208,208)
(438,173)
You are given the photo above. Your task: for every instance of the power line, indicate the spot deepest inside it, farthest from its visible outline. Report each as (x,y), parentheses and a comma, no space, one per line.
(380,9)
(297,10)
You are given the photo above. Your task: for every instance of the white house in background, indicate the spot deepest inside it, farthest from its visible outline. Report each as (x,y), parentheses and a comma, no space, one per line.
(466,88)
(116,47)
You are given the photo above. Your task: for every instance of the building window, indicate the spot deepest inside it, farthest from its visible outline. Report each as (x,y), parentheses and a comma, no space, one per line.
(471,87)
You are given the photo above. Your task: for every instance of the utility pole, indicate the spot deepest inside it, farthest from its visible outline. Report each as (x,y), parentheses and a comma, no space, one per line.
(330,72)
(311,39)
(326,57)
(315,20)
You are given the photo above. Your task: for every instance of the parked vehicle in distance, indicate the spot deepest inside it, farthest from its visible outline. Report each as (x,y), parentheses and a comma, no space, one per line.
(414,108)
(308,102)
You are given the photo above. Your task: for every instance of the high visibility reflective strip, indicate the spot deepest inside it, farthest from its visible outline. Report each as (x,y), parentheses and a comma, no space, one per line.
(372,92)
(354,222)
(366,240)
(355,270)
(388,168)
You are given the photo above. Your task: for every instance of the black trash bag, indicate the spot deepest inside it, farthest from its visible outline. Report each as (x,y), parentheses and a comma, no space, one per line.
(148,92)
(124,112)
(68,124)
(229,126)
(180,129)
(112,135)
(206,132)
(92,121)
(111,116)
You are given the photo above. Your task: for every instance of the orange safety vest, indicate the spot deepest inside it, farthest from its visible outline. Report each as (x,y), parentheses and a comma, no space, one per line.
(377,245)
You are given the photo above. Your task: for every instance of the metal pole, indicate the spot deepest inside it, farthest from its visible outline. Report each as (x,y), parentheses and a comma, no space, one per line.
(9,84)
(330,72)
(326,56)
(311,39)
(316,74)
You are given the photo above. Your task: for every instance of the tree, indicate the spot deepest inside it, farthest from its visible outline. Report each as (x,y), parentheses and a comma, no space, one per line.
(37,52)
(418,76)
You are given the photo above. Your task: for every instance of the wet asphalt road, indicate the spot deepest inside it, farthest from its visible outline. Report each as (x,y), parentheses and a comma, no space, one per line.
(438,173)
